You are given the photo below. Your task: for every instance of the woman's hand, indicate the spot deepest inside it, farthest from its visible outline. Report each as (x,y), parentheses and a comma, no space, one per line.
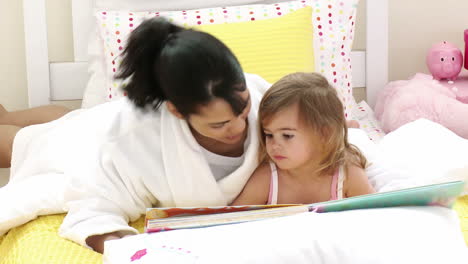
(97,242)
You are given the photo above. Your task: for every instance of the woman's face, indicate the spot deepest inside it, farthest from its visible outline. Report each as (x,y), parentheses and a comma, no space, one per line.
(217,121)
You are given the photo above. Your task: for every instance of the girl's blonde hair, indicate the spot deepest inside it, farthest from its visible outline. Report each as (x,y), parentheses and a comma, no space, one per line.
(320,109)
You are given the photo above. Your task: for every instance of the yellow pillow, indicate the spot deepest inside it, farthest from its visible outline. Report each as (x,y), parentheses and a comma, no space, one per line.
(270,48)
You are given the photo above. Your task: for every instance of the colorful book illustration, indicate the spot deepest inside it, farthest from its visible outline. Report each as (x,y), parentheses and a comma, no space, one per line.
(172,218)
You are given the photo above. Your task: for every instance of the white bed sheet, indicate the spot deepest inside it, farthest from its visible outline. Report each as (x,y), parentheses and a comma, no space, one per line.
(388,235)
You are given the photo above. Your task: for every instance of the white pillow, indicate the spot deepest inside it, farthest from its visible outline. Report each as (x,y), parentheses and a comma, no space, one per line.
(419,153)
(95,92)
(380,172)
(386,235)
(426,152)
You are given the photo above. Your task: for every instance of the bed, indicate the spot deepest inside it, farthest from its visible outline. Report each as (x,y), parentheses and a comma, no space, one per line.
(83,78)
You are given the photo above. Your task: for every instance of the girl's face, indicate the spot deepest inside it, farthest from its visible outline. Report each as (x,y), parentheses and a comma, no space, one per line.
(290,144)
(217,121)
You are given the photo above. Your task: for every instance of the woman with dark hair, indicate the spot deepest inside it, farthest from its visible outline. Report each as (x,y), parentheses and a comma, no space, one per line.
(184,136)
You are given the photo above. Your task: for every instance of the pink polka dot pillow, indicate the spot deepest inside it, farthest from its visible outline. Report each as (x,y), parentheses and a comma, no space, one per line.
(332,23)
(364,114)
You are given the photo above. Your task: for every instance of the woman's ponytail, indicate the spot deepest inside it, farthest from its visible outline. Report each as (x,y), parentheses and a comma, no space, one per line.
(143,49)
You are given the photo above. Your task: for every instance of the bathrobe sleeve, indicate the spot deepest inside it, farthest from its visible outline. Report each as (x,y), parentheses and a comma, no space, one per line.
(106,205)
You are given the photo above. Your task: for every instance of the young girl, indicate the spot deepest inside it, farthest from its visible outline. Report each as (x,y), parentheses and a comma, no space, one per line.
(304,150)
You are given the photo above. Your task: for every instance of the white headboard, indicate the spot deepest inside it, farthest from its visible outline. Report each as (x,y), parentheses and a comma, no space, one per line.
(52,81)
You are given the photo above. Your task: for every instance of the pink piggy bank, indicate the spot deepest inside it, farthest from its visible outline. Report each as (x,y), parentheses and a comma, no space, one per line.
(444,61)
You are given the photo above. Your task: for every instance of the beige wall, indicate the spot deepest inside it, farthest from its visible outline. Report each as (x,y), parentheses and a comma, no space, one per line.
(13,93)
(417,24)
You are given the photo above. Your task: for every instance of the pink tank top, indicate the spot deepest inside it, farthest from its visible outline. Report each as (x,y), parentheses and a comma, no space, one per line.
(336,186)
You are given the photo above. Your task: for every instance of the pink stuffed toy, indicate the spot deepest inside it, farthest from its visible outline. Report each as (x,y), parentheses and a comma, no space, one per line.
(401,102)
(444,61)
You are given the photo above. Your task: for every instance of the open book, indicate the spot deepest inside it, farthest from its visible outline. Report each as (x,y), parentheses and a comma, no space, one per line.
(171,218)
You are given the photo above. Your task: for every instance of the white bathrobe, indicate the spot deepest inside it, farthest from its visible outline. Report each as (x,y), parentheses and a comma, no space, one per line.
(107,164)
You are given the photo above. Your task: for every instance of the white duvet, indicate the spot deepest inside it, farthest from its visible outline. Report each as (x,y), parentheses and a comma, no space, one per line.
(418,153)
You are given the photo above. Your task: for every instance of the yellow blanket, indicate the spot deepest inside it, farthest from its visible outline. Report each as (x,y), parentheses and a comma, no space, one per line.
(38,241)
(461,206)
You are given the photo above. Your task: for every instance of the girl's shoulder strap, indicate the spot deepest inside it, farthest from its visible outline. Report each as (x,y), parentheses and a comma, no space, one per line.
(273,195)
(341,178)
(336,191)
